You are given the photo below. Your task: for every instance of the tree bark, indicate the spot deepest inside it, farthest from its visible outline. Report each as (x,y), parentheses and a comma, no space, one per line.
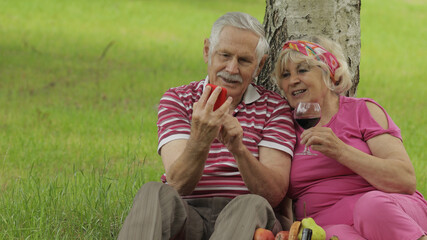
(338,20)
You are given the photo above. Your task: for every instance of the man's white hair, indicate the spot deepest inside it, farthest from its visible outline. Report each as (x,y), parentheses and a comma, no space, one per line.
(243,21)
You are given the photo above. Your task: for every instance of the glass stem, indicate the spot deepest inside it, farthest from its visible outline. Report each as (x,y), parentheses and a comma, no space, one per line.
(306,149)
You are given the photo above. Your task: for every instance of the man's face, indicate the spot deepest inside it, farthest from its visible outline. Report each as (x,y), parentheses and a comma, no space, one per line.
(233,62)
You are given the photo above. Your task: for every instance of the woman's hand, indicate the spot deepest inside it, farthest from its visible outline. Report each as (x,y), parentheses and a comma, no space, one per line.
(324,140)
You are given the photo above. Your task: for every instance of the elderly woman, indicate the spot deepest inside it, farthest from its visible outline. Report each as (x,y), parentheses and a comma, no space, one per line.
(361,183)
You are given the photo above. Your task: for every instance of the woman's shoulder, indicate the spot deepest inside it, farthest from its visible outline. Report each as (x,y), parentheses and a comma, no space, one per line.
(357,101)
(367,108)
(360,104)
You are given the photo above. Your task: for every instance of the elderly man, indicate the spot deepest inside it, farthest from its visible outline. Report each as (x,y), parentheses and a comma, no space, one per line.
(226,169)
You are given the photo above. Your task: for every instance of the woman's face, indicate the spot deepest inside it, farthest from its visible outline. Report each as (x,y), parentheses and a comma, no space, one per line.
(303,83)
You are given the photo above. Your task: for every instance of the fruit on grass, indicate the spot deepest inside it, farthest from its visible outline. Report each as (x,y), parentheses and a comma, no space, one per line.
(282,235)
(318,232)
(293,232)
(263,234)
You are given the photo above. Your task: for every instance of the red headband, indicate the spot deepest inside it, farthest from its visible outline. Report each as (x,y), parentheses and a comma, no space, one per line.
(312,49)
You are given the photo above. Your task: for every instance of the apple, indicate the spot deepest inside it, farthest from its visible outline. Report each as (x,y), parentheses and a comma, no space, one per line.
(263,234)
(282,235)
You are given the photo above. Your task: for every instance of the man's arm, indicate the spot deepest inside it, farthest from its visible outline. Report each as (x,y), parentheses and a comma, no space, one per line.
(268,176)
(184,160)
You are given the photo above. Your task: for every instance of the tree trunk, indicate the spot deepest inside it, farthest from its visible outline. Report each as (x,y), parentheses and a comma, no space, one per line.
(338,20)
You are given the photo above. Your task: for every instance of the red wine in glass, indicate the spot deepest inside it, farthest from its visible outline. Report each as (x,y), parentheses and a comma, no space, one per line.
(307,123)
(307,115)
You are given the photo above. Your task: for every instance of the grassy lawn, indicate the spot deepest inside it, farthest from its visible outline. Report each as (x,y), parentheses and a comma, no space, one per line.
(79,87)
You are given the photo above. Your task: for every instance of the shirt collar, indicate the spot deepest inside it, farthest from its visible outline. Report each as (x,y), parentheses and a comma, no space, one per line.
(250,95)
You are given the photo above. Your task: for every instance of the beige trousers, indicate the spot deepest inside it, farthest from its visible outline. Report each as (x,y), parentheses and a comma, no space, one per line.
(159,213)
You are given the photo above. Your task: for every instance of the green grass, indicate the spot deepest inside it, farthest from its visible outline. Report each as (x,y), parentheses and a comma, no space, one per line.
(393,70)
(80,82)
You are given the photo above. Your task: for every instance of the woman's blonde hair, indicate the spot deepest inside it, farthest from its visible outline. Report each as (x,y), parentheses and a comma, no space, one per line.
(342,74)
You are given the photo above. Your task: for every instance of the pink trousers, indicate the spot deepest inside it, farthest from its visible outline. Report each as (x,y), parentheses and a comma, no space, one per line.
(378,215)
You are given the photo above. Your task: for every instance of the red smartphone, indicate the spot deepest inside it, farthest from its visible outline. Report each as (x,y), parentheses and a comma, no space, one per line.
(221,98)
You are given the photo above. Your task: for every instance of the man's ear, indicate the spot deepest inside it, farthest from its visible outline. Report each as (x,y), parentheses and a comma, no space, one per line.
(261,64)
(206,50)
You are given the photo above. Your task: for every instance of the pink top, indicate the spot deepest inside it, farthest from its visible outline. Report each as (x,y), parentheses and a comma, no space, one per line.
(321,183)
(264,116)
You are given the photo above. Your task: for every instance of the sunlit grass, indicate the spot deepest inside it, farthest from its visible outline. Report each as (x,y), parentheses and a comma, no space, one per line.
(393,68)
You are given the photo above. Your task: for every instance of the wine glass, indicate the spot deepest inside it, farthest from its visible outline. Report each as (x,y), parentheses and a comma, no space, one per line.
(307,115)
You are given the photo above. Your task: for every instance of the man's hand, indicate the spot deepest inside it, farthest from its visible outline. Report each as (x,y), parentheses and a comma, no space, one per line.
(271,169)
(206,123)
(183,159)
(231,133)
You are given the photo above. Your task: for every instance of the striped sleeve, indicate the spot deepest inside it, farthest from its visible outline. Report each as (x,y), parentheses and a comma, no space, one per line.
(173,120)
(279,131)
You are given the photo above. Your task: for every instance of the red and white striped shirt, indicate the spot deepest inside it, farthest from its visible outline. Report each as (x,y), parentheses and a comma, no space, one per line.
(264,116)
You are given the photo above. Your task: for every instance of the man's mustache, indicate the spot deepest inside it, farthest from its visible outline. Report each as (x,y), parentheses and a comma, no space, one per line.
(231,77)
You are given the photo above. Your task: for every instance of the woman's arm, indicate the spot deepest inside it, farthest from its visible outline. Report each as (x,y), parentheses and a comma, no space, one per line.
(389,168)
